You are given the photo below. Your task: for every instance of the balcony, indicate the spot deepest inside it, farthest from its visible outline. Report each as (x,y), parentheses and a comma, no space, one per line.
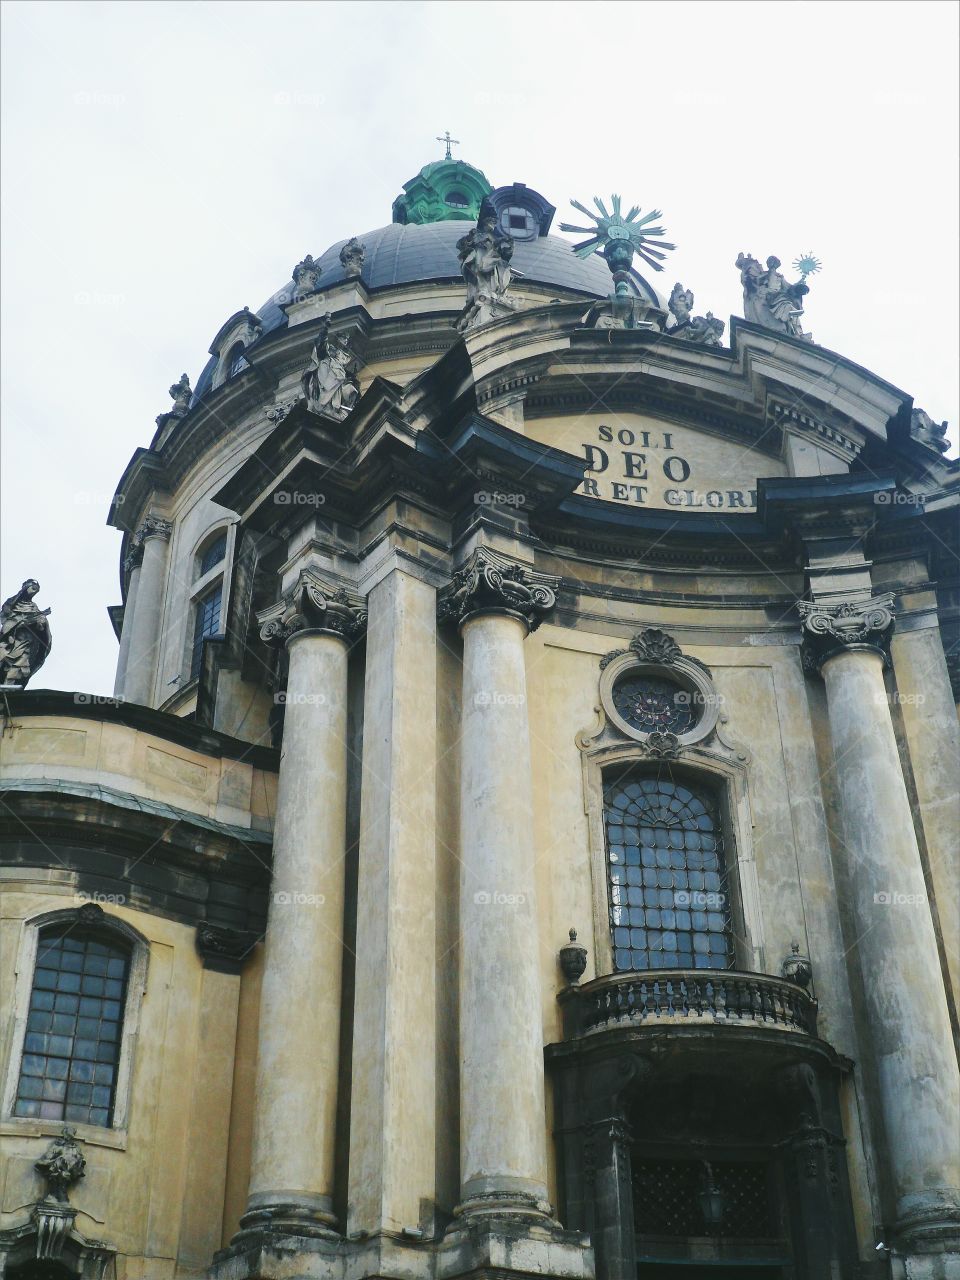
(726,998)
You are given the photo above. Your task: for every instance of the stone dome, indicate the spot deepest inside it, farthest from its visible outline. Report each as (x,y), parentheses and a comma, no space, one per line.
(404,254)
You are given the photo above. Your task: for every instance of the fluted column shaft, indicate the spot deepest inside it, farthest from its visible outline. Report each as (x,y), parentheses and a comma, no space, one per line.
(897,950)
(502,1127)
(141,659)
(291,1180)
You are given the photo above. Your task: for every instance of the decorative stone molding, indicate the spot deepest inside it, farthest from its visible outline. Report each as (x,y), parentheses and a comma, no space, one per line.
(797,968)
(831,628)
(351,258)
(844,443)
(924,430)
(573,959)
(492,583)
(313,605)
(62,1164)
(706,330)
(655,653)
(221,949)
(181,394)
(152,527)
(306,277)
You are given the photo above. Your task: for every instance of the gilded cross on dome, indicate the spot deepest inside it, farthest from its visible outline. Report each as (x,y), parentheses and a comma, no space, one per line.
(449,142)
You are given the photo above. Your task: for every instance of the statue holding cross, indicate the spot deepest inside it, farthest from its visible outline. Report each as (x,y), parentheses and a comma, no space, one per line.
(448,142)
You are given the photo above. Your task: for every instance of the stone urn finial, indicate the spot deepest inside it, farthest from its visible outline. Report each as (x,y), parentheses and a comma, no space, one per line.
(797,968)
(573,959)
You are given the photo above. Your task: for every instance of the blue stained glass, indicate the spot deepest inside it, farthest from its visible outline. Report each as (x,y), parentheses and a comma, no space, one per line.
(681,852)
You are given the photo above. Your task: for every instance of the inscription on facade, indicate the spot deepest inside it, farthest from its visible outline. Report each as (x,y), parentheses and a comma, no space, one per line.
(644,463)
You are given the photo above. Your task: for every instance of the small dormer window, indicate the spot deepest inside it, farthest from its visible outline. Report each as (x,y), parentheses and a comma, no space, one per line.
(235,360)
(457,200)
(518,222)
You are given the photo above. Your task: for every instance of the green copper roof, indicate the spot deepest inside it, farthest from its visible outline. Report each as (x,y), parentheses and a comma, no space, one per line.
(441,191)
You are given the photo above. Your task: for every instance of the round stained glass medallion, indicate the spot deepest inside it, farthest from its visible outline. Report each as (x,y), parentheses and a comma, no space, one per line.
(653,704)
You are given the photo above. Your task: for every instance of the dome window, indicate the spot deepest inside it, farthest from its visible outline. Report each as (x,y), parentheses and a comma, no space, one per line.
(235,360)
(457,200)
(518,223)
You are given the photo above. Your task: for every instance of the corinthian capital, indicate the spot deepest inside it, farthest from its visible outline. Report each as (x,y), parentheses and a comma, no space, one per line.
(829,628)
(154,527)
(313,605)
(492,583)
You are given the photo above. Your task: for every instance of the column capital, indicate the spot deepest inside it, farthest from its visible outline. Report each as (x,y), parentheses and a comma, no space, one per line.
(313,605)
(152,527)
(491,582)
(835,626)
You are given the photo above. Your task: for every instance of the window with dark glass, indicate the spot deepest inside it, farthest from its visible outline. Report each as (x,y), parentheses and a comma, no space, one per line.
(206,623)
(667,882)
(655,704)
(71,1050)
(236,360)
(214,553)
(457,200)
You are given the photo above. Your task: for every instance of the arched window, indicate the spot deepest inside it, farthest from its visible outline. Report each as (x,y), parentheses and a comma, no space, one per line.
(235,359)
(457,200)
(206,622)
(71,1046)
(207,595)
(666,876)
(215,551)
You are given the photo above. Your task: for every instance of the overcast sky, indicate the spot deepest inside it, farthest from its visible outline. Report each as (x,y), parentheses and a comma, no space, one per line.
(165,164)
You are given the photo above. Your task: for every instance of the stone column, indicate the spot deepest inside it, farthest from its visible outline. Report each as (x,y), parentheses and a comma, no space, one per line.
(291,1177)
(933,738)
(140,672)
(895,943)
(502,1116)
(133,563)
(393,1094)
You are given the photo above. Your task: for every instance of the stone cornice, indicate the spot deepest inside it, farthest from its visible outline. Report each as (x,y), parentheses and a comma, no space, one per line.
(491,582)
(313,604)
(835,626)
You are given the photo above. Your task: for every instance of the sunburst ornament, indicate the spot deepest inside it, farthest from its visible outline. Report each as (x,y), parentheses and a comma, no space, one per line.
(808,264)
(619,236)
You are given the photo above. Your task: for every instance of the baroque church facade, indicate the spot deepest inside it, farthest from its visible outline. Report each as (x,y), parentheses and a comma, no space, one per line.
(522,841)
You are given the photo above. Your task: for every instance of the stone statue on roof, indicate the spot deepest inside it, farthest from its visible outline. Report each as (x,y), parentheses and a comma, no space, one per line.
(329,383)
(485,254)
(768,299)
(24,636)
